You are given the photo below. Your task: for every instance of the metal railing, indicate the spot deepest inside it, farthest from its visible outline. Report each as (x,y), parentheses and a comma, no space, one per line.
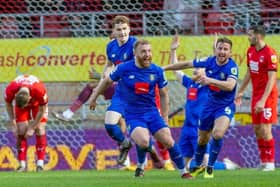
(94,24)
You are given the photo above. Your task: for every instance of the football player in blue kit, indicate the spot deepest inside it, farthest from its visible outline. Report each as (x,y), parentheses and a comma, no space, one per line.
(118,51)
(139,78)
(221,78)
(196,96)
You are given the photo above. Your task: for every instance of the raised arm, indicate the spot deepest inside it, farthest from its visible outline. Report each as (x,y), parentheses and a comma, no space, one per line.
(173,58)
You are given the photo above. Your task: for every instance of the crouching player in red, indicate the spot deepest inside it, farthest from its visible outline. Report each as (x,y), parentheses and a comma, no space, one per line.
(28,115)
(139,78)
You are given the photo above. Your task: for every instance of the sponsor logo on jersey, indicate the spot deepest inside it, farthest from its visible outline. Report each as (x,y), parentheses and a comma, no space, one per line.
(142,87)
(254,66)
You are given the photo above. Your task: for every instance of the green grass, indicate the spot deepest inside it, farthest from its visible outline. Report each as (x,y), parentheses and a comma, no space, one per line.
(152,178)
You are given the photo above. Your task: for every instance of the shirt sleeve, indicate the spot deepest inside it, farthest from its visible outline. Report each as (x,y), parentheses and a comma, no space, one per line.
(107,52)
(162,82)
(272,60)
(233,72)
(9,93)
(186,81)
(41,94)
(116,74)
(201,63)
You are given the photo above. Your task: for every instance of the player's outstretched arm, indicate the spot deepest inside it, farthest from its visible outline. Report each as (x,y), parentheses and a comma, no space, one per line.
(102,86)
(227,85)
(243,86)
(178,66)
(107,69)
(12,120)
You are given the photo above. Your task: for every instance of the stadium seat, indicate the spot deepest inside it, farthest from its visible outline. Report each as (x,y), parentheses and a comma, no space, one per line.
(218,22)
(153,5)
(9,27)
(12,6)
(83,5)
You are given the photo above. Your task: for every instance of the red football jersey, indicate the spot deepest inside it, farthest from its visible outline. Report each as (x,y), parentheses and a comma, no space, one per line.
(259,63)
(37,90)
(157,97)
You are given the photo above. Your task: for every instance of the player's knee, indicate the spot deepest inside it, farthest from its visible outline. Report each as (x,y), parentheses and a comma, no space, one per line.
(168,143)
(218,135)
(143,143)
(202,141)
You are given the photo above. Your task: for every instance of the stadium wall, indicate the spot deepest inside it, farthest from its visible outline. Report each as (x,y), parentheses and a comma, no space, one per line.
(77,149)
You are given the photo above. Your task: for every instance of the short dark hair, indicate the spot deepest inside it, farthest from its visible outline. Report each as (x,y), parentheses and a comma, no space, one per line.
(120,19)
(258,29)
(224,40)
(140,42)
(22,98)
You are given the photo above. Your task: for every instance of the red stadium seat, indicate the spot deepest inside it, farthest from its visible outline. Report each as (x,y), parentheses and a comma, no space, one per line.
(83,5)
(9,28)
(12,6)
(153,5)
(217,22)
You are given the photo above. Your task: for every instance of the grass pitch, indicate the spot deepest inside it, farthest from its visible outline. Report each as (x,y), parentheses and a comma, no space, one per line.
(152,178)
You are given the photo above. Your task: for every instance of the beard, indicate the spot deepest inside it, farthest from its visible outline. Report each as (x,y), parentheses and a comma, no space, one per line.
(144,61)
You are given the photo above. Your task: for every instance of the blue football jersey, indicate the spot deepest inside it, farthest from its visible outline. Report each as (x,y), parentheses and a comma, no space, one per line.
(138,85)
(218,97)
(196,97)
(119,54)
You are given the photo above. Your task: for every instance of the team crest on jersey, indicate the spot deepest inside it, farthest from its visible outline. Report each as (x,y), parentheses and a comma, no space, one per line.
(222,76)
(113,55)
(125,56)
(152,77)
(261,59)
(233,71)
(273,58)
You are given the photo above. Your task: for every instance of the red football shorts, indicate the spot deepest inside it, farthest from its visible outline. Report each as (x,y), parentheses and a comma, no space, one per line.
(109,92)
(269,113)
(29,113)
